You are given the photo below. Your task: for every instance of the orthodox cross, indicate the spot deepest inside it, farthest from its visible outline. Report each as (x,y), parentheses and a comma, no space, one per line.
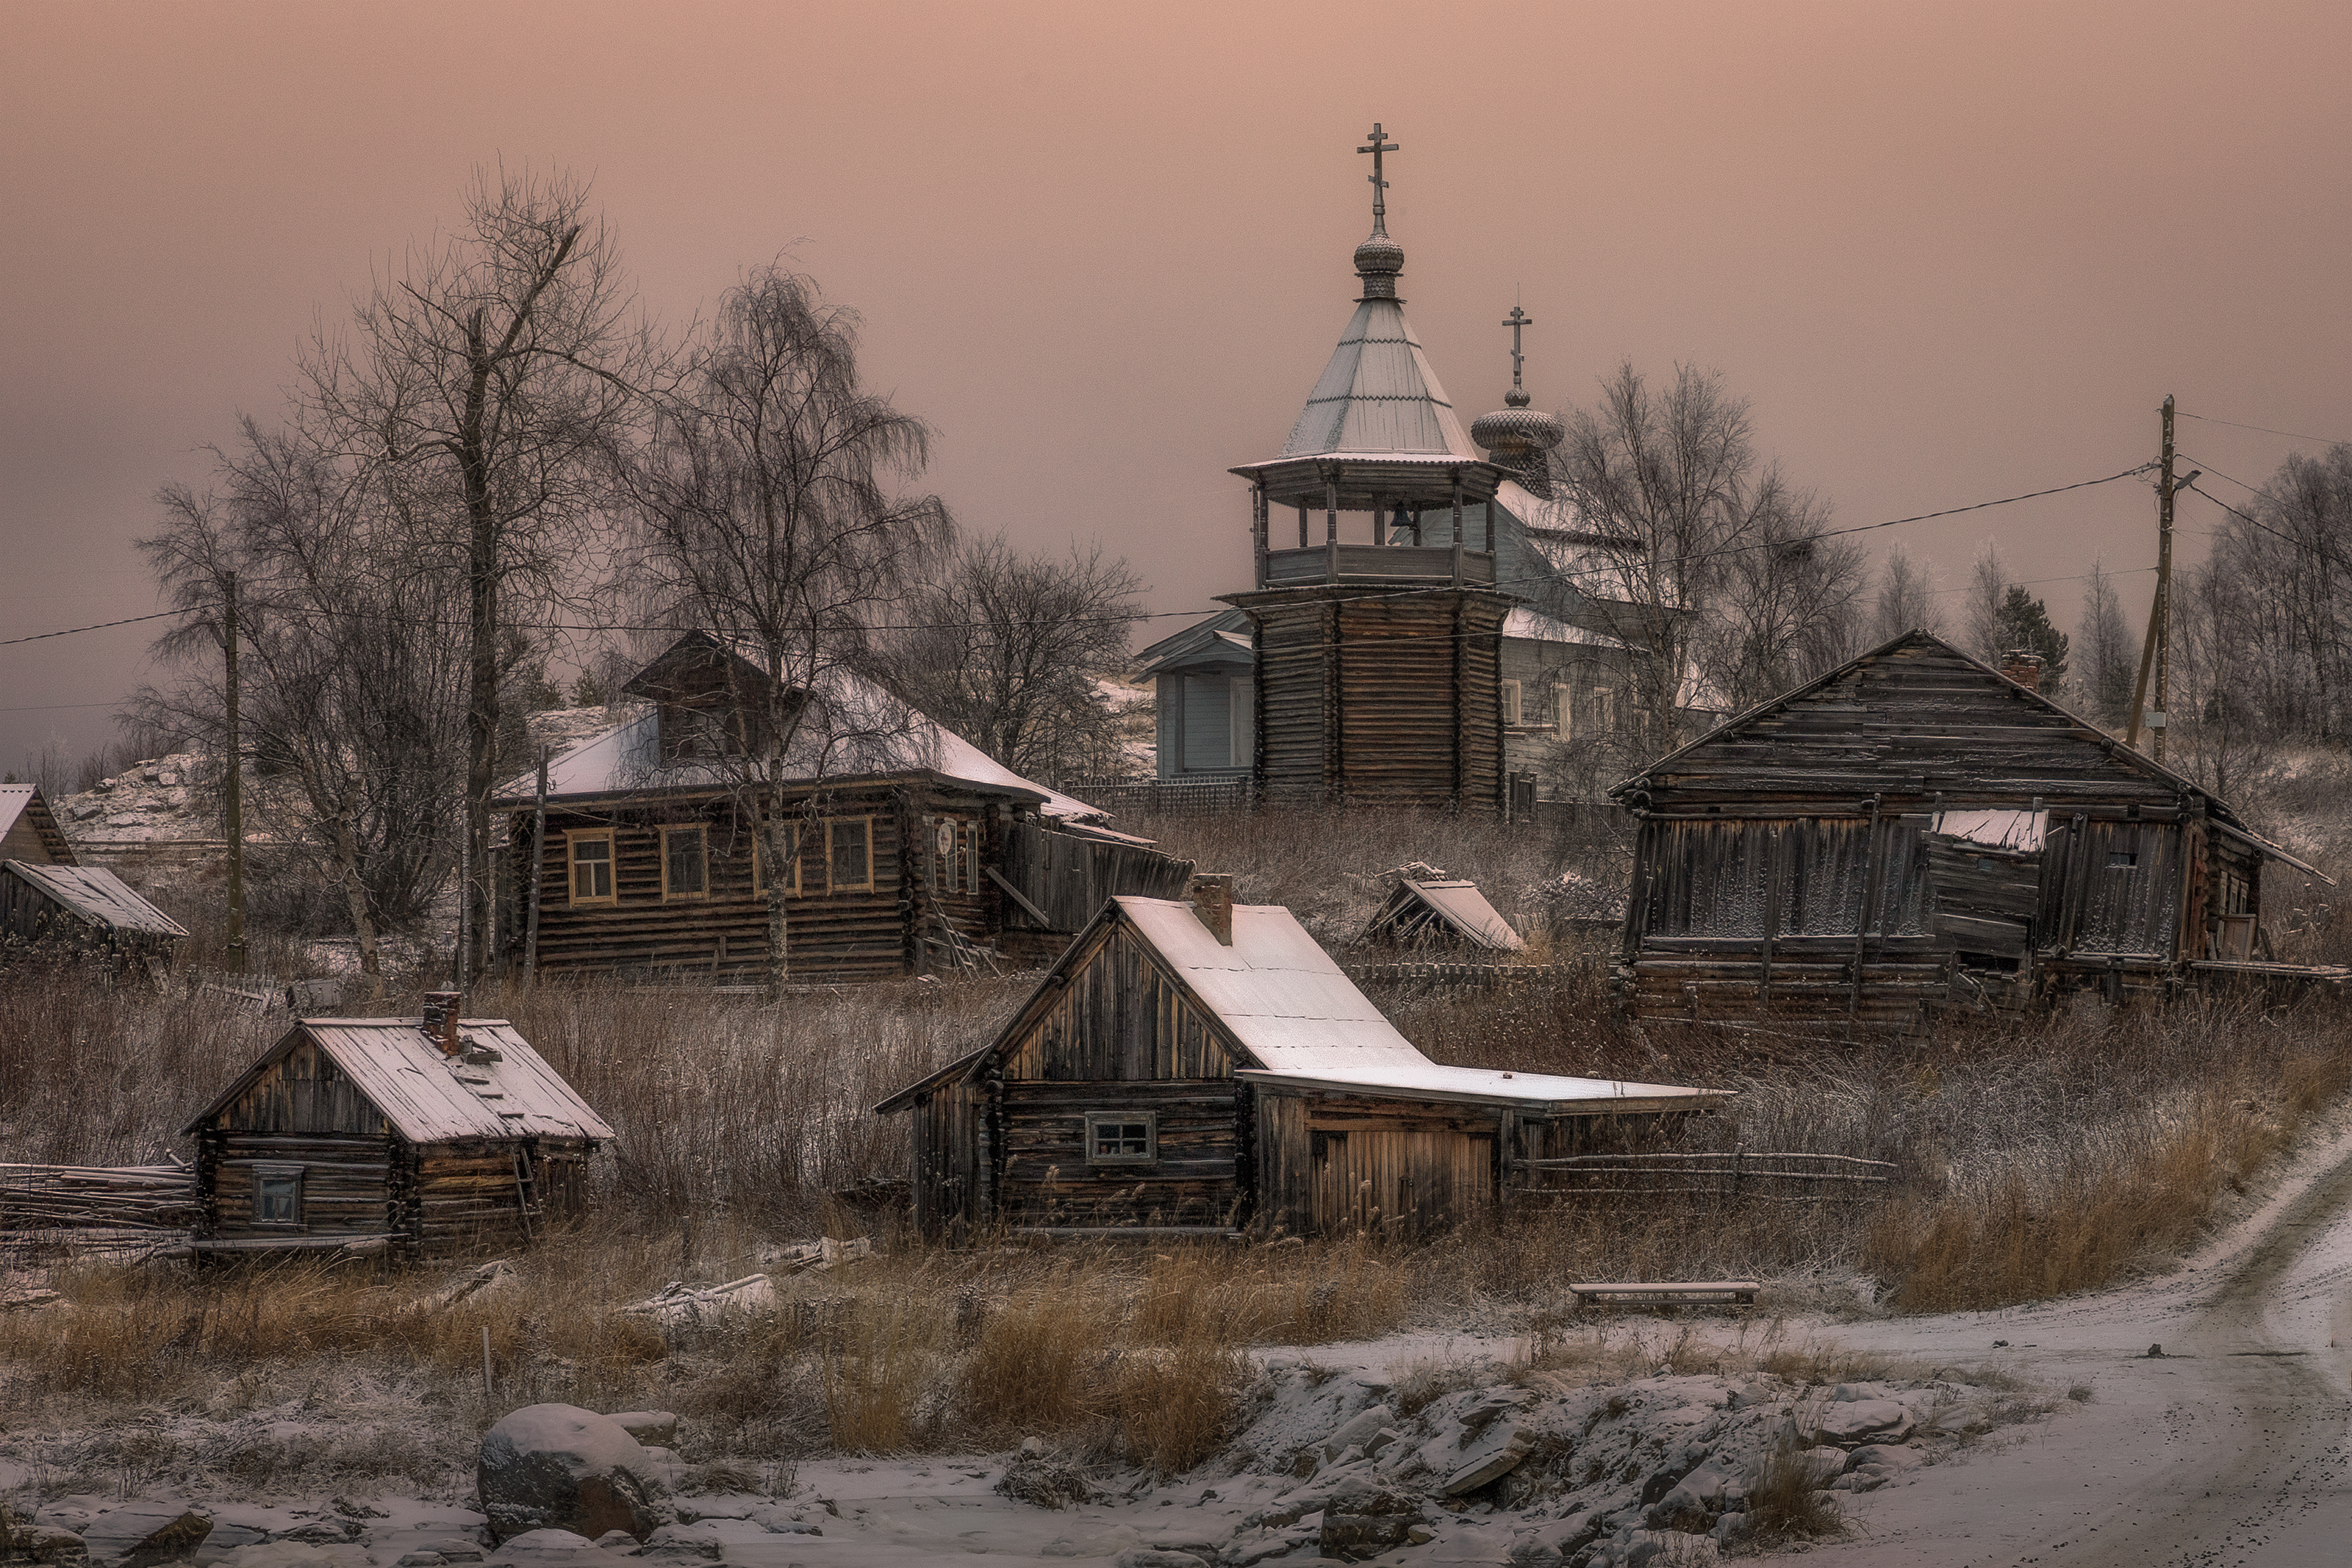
(1519,321)
(1379,205)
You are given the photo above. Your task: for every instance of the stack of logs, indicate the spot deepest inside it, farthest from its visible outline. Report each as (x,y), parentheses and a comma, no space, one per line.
(78,1197)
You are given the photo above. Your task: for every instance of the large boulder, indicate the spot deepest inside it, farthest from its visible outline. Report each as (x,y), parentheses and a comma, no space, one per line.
(140,1534)
(558,1466)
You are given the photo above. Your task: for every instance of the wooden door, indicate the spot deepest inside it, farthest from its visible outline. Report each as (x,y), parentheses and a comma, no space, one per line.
(1399,1180)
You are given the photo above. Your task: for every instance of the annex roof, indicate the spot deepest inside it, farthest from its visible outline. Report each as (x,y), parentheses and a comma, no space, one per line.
(430,1098)
(96,895)
(1222,638)
(1536,1092)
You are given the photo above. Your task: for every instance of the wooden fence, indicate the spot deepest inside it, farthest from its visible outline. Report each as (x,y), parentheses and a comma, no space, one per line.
(1141,793)
(1774,1176)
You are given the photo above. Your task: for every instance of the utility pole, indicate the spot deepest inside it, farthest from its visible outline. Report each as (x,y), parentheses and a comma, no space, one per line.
(2156,651)
(236,775)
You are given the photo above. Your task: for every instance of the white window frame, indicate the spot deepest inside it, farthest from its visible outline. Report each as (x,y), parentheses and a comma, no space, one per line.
(611,864)
(1563,711)
(833,882)
(1148,1120)
(702,833)
(1604,709)
(1512,709)
(1241,745)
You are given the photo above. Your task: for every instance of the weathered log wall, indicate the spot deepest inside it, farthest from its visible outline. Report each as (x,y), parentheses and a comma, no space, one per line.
(1048,1179)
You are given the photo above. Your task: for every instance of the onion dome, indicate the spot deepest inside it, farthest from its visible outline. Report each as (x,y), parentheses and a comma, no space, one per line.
(1378,261)
(1515,436)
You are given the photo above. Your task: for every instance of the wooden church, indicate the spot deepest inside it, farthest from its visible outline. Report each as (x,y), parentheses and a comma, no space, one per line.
(1917,829)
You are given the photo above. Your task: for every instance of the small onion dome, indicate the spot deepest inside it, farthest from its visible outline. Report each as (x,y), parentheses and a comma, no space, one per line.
(1378,261)
(1516,429)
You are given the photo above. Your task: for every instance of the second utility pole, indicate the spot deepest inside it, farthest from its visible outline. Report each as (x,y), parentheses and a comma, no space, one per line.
(2157,649)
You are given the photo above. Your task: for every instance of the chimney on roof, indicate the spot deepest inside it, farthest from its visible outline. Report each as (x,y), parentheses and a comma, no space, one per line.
(1213,901)
(2023,667)
(440,1021)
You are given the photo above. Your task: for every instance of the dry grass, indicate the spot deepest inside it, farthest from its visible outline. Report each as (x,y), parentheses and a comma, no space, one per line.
(1783,1504)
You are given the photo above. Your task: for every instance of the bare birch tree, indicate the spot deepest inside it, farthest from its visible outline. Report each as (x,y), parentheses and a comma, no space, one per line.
(1906,600)
(1002,647)
(481,383)
(349,681)
(1786,608)
(767,513)
(1668,470)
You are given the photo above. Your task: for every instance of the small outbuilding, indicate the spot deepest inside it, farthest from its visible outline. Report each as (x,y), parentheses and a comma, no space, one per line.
(1426,908)
(1916,829)
(1206,1067)
(87,907)
(421,1135)
(28,828)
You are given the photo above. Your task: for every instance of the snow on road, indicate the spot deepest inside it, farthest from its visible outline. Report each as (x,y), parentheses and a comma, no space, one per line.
(2231,1448)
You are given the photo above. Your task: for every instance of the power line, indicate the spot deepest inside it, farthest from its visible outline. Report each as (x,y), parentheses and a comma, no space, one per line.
(2267,430)
(72,631)
(1162,614)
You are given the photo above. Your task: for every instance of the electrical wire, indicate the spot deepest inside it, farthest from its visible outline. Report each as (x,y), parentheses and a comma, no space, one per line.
(1554,576)
(2267,430)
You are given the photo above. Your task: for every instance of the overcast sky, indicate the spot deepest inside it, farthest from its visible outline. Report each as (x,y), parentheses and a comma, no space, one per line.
(1950,252)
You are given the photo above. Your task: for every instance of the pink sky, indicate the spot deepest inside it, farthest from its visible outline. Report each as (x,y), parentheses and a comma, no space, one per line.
(1950,253)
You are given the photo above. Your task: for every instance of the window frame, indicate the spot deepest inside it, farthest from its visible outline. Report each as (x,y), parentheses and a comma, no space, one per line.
(1148,1120)
(1514,703)
(702,831)
(573,839)
(833,882)
(267,1171)
(1563,711)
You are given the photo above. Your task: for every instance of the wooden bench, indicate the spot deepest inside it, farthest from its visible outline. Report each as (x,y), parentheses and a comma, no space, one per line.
(1741,1292)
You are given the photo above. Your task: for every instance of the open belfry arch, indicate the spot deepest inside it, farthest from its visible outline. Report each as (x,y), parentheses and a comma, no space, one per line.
(1378,672)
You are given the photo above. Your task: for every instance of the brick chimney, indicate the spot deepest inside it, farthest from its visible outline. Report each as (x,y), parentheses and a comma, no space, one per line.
(1213,901)
(440,1021)
(2023,667)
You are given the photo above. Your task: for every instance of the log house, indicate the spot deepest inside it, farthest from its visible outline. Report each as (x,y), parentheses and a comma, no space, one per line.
(418,1136)
(1206,1067)
(1917,829)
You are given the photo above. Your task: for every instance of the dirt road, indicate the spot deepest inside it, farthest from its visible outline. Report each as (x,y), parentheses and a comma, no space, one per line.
(2234,1447)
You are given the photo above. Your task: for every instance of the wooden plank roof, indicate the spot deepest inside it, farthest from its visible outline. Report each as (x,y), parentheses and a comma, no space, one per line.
(96,896)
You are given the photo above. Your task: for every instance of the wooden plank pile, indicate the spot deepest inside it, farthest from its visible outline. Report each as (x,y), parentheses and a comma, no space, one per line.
(84,1197)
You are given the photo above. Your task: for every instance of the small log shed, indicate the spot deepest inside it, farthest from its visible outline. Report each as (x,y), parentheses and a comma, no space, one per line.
(28,828)
(1206,1067)
(88,907)
(423,1135)
(1916,829)
(1426,908)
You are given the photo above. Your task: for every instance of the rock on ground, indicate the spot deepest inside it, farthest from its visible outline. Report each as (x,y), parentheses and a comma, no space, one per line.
(560,1467)
(139,1534)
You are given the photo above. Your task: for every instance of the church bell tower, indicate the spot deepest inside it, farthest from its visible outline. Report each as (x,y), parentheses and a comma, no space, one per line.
(1377,635)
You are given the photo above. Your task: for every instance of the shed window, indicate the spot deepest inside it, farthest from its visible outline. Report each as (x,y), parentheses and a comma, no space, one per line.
(591,867)
(1122,1137)
(685,871)
(2122,860)
(278,1195)
(849,853)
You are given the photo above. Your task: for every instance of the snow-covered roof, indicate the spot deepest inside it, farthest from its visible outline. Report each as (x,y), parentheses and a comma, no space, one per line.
(1455,903)
(1301,1023)
(885,737)
(1378,396)
(1533,626)
(96,895)
(430,1098)
(1995,830)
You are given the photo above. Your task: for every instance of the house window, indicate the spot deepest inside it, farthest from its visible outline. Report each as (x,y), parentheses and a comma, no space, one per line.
(954,854)
(1563,710)
(685,870)
(849,853)
(591,867)
(278,1195)
(691,734)
(1122,1137)
(1604,710)
(1241,696)
(2122,860)
(1511,703)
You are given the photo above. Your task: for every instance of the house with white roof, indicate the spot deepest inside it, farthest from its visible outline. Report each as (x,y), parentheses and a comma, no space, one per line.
(911,847)
(1206,1067)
